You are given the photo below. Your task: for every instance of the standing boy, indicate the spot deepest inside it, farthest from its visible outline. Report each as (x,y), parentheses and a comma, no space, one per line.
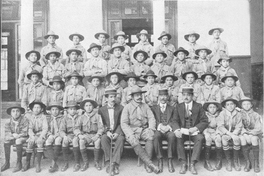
(76,38)
(102,36)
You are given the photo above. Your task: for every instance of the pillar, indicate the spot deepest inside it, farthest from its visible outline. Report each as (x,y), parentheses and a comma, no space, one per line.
(158,19)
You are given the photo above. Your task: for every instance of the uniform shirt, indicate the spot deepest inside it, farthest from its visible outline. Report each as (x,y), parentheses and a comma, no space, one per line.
(83,56)
(127,53)
(169,49)
(191,47)
(179,67)
(151,96)
(118,65)
(95,64)
(105,51)
(229,121)
(22,79)
(173,92)
(196,92)
(217,46)
(72,67)
(74,93)
(231,92)
(68,125)
(212,119)
(46,49)
(38,125)
(126,97)
(119,91)
(145,46)
(49,71)
(54,125)
(55,96)
(34,92)
(210,93)
(140,68)
(19,127)
(221,72)
(202,66)
(251,122)
(96,93)
(160,70)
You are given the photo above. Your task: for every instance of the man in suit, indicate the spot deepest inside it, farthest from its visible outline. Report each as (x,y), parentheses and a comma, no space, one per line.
(165,121)
(111,114)
(191,116)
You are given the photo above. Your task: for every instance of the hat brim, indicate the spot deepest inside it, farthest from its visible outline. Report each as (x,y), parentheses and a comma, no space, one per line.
(139,34)
(197,36)
(132,93)
(164,78)
(70,76)
(212,30)
(126,78)
(145,76)
(184,51)
(95,46)
(51,106)
(47,36)
(190,72)
(97,35)
(143,52)
(91,101)
(119,75)
(58,54)
(37,53)
(122,48)
(168,35)
(30,74)
(218,105)
(81,37)
(92,77)
(208,51)
(116,36)
(208,74)
(219,60)
(234,77)
(22,110)
(31,105)
(164,54)
(76,106)
(229,99)
(73,50)
(61,82)
(242,100)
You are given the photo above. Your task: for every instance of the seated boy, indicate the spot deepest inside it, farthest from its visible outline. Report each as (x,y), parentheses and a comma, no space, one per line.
(192,46)
(95,90)
(102,36)
(209,91)
(56,93)
(151,88)
(159,67)
(121,38)
(76,38)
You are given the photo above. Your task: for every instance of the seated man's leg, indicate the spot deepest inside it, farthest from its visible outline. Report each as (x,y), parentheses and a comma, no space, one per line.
(197,148)
(7,149)
(225,139)
(148,136)
(105,141)
(171,150)
(158,144)
(118,150)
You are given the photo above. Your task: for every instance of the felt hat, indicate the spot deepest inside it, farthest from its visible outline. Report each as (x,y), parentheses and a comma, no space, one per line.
(245,99)
(81,37)
(31,105)
(164,33)
(33,51)
(73,50)
(141,51)
(144,32)
(187,90)
(150,73)
(208,73)
(94,45)
(131,75)
(229,99)
(74,74)
(197,36)
(189,72)
(99,76)
(88,100)
(212,30)
(135,90)
(208,51)
(22,110)
(72,104)
(34,72)
(229,75)
(163,92)
(159,52)
(120,33)
(181,49)
(57,79)
(224,57)
(101,32)
(119,75)
(110,92)
(51,33)
(55,104)
(58,54)
(116,45)
(168,75)
(218,105)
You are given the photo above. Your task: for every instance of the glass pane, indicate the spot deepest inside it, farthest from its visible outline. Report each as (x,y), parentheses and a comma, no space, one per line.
(10,10)
(4,67)
(38,36)
(114,8)
(115,26)
(146,8)
(130,8)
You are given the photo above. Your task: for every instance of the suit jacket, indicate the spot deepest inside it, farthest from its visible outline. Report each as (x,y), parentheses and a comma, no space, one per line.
(103,111)
(170,111)
(199,119)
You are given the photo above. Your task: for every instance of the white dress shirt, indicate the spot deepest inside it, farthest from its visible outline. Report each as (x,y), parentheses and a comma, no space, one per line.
(111,116)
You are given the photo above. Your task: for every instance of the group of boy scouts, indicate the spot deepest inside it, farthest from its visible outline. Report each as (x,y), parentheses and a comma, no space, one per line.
(119,94)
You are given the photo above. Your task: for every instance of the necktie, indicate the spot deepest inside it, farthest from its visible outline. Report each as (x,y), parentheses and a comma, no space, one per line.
(139,113)
(162,108)
(187,110)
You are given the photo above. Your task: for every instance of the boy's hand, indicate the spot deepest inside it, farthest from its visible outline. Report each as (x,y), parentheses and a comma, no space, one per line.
(109,134)
(95,137)
(192,130)
(15,135)
(178,134)
(115,135)
(81,136)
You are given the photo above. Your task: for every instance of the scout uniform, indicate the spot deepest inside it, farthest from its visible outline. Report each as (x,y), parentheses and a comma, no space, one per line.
(173,91)
(78,46)
(90,126)
(15,133)
(210,134)
(127,53)
(168,48)
(53,136)
(96,93)
(37,131)
(229,126)
(56,95)
(252,129)
(152,91)
(71,66)
(49,47)
(74,93)
(217,46)
(51,70)
(105,49)
(34,92)
(120,64)
(144,46)
(234,92)
(192,47)
(138,122)
(67,127)
(22,79)
(160,69)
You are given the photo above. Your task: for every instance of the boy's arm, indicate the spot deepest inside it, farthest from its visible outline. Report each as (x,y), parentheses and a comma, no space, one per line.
(100,126)
(124,122)
(24,127)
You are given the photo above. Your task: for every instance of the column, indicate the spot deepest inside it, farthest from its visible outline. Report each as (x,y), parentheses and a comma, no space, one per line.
(158,19)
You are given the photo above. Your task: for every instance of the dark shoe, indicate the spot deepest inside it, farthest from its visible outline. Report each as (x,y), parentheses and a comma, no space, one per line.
(148,169)
(54,168)
(116,169)
(228,158)
(7,149)
(193,169)
(160,165)
(256,166)
(27,164)
(18,167)
(85,166)
(218,164)
(236,163)
(97,165)
(154,168)
(64,167)
(247,166)
(207,165)
(170,166)
(183,169)
(76,167)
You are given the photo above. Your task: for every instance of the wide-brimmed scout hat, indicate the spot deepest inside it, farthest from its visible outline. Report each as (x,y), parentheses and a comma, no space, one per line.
(208,51)
(229,75)
(81,37)
(94,45)
(187,90)
(197,36)
(218,105)
(190,72)
(224,57)
(117,45)
(72,104)
(55,104)
(79,52)
(99,76)
(168,75)
(51,33)
(208,73)
(22,110)
(144,32)
(75,74)
(143,52)
(120,33)
(163,92)
(245,99)
(135,90)
(110,91)
(33,51)
(102,32)
(181,49)
(58,54)
(88,100)
(131,75)
(57,79)
(34,72)
(164,33)
(31,105)
(212,30)
(150,73)
(119,75)
(159,52)
(229,99)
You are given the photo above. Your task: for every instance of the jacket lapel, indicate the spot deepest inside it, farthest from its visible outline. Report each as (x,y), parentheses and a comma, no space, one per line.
(182,114)
(116,110)
(107,119)
(168,111)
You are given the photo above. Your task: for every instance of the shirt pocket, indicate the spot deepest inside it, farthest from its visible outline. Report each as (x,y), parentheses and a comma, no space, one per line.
(94,125)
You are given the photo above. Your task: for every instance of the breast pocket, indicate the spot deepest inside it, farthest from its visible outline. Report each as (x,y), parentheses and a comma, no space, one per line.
(94,125)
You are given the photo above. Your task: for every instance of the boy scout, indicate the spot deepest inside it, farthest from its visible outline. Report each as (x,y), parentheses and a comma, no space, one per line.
(95,90)
(164,115)
(144,45)
(67,127)
(53,135)
(15,133)
(111,114)
(138,122)
(252,128)
(73,65)
(229,126)
(35,91)
(102,36)
(56,91)
(76,38)
(33,58)
(151,88)
(53,67)
(37,131)
(121,37)
(51,38)
(192,46)
(217,46)
(89,129)
(166,47)
(212,110)
(159,67)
